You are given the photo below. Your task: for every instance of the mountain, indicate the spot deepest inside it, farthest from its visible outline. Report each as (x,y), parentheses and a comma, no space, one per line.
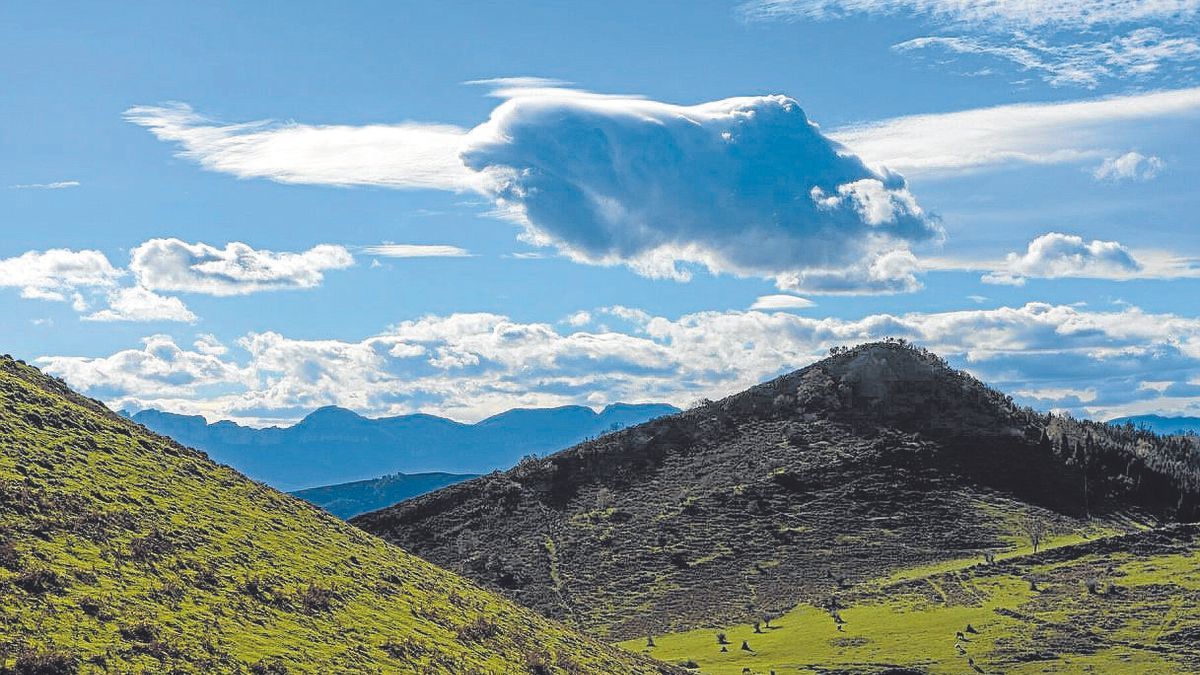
(876,461)
(334,445)
(1161,425)
(122,551)
(350,499)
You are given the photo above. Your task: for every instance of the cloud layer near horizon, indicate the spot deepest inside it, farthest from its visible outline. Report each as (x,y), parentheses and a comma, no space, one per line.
(468,366)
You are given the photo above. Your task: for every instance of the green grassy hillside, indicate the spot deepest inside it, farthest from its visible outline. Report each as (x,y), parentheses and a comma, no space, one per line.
(1121,604)
(123,552)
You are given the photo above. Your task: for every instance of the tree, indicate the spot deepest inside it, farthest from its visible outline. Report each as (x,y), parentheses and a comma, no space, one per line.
(1036,529)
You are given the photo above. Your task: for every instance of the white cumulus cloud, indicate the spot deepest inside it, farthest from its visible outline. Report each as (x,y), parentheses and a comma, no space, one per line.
(135,303)
(1129,166)
(469,366)
(56,273)
(236,269)
(1055,255)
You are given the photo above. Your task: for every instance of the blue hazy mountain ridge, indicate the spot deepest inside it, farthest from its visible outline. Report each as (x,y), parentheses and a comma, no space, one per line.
(1161,424)
(347,500)
(333,445)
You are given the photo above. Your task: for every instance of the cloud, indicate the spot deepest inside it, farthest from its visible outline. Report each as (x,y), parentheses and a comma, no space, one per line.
(1139,53)
(610,180)
(158,369)
(995,14)
(781,302)
(237,269)
(56,273)
(416,251)
(139,304)
(469,366)
(405,155)
(1054,255)
(499,85)
(659,187)
(58,185)
(1129,166)
(1045,133)
(580,318)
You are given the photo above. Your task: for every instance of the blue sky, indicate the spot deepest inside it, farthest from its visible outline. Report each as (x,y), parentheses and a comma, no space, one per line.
(247,212)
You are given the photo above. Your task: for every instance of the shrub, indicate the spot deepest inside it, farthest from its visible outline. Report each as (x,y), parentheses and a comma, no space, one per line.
(268,667)
(314,598)
(45,663)
(39,581)
(10,558)
(482,628)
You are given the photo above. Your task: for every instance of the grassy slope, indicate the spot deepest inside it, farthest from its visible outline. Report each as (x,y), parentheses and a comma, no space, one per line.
(125,552)
(1145,617)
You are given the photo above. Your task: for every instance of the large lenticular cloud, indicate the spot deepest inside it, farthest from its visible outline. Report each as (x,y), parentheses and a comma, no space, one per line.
(743,185)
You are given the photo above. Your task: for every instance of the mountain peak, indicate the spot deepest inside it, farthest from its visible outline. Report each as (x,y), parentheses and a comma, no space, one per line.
(330,414)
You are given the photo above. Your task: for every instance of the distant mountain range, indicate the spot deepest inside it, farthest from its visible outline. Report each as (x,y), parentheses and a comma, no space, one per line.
(1160,424)
(347,500)
(333,445)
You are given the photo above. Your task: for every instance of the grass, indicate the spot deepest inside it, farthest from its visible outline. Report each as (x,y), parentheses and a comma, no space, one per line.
(123,552)
(1144,619)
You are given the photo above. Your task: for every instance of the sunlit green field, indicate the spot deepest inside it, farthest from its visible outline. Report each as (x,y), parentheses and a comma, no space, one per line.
(1087,610)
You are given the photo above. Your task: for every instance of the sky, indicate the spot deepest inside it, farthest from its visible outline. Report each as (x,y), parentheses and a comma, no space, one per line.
(249,211)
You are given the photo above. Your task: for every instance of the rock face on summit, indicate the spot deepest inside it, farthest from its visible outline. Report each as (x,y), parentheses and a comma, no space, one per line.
(876,459)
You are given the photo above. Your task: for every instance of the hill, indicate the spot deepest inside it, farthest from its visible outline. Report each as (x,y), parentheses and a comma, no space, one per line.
(334,445)
(1161,425)
(350,499)
(876,460)
(122,551)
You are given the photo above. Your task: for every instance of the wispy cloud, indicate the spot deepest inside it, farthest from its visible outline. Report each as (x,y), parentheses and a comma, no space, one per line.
(58,185)
(1046,133)
(998,14)
(404,155)
(415,251)
(1139,53)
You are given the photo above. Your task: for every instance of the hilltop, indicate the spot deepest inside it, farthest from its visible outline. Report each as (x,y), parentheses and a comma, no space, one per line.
(346,500)
(333,445)
(122,551)
(877,460)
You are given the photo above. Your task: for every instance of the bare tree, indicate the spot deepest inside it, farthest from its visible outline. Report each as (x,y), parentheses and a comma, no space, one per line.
(1036,529)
